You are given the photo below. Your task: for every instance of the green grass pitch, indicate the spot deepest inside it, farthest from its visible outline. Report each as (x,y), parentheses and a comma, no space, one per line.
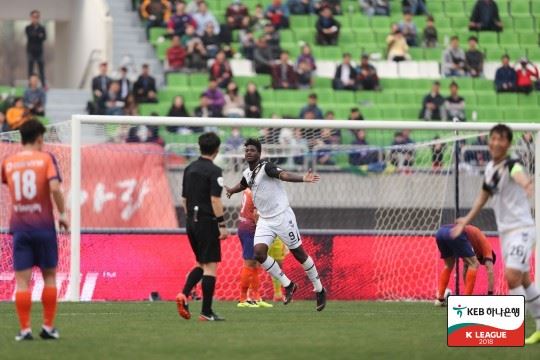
(344,330)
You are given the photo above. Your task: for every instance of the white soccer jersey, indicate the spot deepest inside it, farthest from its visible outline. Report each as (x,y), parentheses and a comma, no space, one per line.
(269,195)
(509,200)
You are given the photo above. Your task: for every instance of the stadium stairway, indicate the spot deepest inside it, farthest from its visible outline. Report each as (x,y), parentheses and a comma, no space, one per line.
(62,103)
(130,47)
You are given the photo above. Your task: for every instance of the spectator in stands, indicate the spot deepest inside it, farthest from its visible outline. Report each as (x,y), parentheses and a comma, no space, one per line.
(176,55)
(415,7)
(430,33)
(397,47)
(453,61)
(4,126)
(258,19)
(345,76)
(196,52)
(263,57)
(204,110)
(433,104)
(18,114)
(334,5)
(304,75)
(35,36)
(34,97)
(311,107)
(355,114)
(145,134)
(112,102)
(178,109)
(211,41)
(145,87)
(221,70)
(437,154)
(234,102)
(478,157)
(130,106)
(202,17)
(248,43)
(252,101)
(505,77)
(193,6)
(454,104)
(301,7)
(235,140)
(178,23)
(283,74)
(125,84)
(307,56)
(408,29)
(327,28)
(278,14)
(325,140)
(375,7)
(485,16)
(402,155)
(101,83)
(474,59)
(237,15)
(336,133)
(272,39)
(362,155)
(156,13)
(367,78)
(215,97)
(526,71)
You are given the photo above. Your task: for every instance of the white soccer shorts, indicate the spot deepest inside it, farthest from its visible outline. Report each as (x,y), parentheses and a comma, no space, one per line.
(283,225)
(517,247)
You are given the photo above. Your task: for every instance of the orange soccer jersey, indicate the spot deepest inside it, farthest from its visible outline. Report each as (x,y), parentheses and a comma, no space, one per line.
(481,245)
(27,175)
(247,211)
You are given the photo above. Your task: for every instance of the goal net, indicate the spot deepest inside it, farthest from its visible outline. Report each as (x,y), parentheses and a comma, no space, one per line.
(385,189)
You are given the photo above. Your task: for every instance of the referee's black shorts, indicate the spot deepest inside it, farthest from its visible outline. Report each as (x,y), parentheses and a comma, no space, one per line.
(204,239)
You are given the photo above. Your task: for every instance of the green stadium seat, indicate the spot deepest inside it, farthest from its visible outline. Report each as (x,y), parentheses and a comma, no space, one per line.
(359,21)
(286,36)
(454,8)
(156,33)
(506,100)
(515,53)
(306,35)
(391,114)
(408,99)
(161,49)
(443,24)
(508,38)
(167,94)
(458,22)
(520,8)
(261,80)
(528,39)
(344,97)
(435,8)
(302,22)
(527,101)
(524,24)
(487,99)
(323,83)
(386,98)
(347,36)
(503,9)
(178,80)
(410,114)
(489,114)
(326,95)
(465,84)
(433,54)
(494,53)
(198,80)
(366,38)
(380,36)
(267,95)
(335,52)
(147,109)
(371,113)
(530,115)
(381,23)
(533,54)
(487,38)
(535,9)
(416,53)
(365,97)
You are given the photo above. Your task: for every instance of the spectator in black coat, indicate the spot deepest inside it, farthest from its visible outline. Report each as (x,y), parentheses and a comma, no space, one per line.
(145,87)
(505,77)
(263,57)
(345,77)
(36,36)
(177,109)
(252,101)
(474,59)
(327,28)
(101,83)
(125,84)
(485,16)
(433,104)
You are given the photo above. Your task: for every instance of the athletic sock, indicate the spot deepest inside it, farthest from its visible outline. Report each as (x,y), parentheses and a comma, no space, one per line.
(254,284)
(49,301)
(23,304)
(312,274)
(532,302)
(272,267)
(470,279)
(444,278)
(193,278)
(208,286)
(517,291)
(245,275)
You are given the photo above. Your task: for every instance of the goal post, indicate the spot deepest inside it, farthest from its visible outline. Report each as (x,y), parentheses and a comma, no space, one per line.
(79,121)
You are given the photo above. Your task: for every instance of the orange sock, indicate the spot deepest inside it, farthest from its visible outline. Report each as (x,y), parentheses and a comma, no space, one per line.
(244,283)
(255,284)
(48,298)
(469,281)
(443,282)
(23,304)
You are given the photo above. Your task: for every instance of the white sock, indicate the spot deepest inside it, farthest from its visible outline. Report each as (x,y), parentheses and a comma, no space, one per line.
(517,291)
(272,267)
(532,303)
(312,274)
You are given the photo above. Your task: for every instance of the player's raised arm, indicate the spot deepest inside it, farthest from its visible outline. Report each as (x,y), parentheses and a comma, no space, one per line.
(522,179)
(278,173)
(479,203)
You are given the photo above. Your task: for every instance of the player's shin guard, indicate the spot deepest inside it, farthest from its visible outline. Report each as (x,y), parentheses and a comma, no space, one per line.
(272,267)
(312,274)
(193,278)
(254,285)
(208,287)
(470,280)
(443,282)
(49,300)
(245,279)
(23,304)
(532,301)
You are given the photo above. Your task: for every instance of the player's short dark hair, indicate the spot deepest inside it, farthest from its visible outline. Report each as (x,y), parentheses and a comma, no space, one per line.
(254,142)
(31,130)
(454,37)
(502,130)
(209,143)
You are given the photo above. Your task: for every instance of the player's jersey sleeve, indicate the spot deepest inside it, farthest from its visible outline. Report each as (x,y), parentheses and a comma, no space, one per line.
(244,182)
(53,171)
(481,245)
(216,182)
(272,170)
(515,167)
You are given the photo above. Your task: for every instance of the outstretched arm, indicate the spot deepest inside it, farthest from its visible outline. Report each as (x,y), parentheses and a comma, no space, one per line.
(479,203)
(308,177)
(241,186)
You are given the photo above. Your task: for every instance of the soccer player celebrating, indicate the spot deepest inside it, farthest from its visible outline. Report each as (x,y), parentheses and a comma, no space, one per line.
(276,218)
(201,192)
(473,247)
(32,176)
(249,276)
(507,183)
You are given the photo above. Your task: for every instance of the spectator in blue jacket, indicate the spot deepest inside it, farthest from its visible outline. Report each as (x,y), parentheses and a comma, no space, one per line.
(505,77)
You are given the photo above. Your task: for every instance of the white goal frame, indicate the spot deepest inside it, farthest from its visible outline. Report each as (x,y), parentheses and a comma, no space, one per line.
(73,292)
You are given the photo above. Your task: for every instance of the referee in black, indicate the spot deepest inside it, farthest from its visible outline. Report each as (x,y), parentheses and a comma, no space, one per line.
(201,192)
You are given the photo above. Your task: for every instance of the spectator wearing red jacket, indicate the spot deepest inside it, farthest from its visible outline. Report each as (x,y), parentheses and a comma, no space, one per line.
(237,15)
(176,55)
(525,74)
(221,71)
(278,14)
